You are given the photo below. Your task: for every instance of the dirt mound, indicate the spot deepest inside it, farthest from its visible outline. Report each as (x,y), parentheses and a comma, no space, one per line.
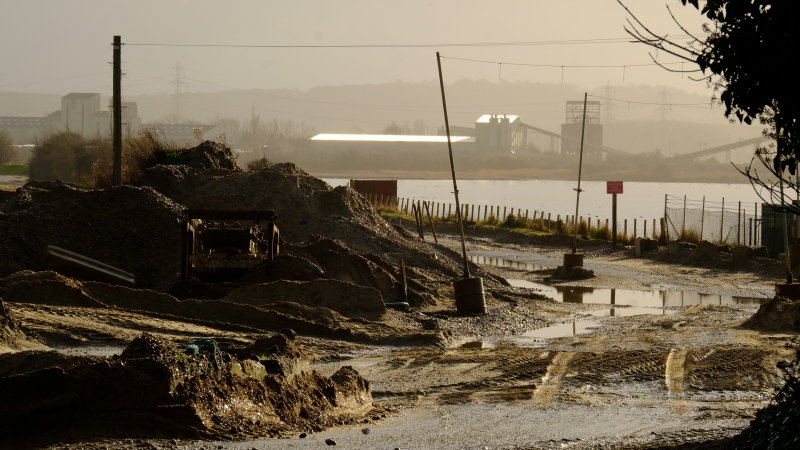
(284,267)
(12,364)
(335,229)
(779,314)
(278,345)
(207,155)
(307,206)
(10,334)
(133,228)
(45,287)
(703,309)
(708,254)
(305,319)
(345,298)
(156,390)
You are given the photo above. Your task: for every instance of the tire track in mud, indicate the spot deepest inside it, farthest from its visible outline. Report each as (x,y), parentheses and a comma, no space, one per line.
(720,369)
(544,393)
(675,370)
(541,376)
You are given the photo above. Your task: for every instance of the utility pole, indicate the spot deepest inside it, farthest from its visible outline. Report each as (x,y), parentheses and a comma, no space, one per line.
(179,72)
(117,113)
(580,167)
(453,170)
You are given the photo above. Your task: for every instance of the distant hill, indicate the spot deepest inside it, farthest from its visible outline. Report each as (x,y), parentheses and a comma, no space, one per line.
(634,121)
(28,105)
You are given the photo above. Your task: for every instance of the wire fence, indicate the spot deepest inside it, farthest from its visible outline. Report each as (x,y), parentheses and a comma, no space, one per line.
(714,221)
(627,229)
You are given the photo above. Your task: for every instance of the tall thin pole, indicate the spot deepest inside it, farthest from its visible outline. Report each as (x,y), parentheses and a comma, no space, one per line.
(683,223)
(722,221)
(614,220)
(702,218)
(580,167)
(117,113)
(453,169)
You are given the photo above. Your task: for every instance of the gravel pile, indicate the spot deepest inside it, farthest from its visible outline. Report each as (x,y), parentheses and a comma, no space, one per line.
(133,228)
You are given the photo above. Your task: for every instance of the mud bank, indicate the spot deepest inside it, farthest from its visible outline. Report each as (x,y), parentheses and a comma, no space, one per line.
(245,309)
(154,389)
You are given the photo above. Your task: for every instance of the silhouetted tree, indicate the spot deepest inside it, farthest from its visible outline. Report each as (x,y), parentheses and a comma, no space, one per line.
(66,156)
(393,128)
(748,56)
(6,148)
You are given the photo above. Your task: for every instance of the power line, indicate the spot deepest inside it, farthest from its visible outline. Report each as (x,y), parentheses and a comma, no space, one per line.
(634,102)
(620,40)
(559,66)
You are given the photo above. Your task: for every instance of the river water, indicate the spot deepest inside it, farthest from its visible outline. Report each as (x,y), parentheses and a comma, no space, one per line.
(639,200)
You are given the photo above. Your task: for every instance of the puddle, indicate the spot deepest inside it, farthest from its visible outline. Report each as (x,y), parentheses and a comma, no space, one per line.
(505,262)
(573,328)
(639,301)
(91,350)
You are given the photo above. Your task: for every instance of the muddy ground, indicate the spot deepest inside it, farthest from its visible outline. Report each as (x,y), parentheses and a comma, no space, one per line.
(312,347)
(690,375)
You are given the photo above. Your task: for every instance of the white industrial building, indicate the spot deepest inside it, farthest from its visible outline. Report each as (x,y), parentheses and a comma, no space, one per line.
(80,113)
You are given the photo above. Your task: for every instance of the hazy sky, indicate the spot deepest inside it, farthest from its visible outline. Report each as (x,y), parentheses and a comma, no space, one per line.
(59,46)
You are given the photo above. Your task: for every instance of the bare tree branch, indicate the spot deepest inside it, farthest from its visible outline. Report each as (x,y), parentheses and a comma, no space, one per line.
(772,187)
(653,39)
(655,60)
(694,38)
(705,78)
(657,43)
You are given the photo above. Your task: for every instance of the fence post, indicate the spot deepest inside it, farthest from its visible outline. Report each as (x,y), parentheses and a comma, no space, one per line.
(472,212)
(721,220)
(654,229)
(750,232)
(665,228)
(644,230)
(634,229)
(683,223)
(702,218)
(548,222)
(625,228)
(415,212)
(430,221)
(526,214)
(755,223)
(739,225)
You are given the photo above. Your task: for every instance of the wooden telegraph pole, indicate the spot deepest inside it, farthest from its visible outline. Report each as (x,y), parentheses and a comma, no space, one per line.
(468,290)
(117,112)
